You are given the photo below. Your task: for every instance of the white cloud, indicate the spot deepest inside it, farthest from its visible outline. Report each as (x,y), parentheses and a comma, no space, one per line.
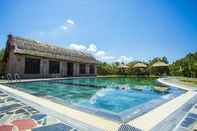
(69,21)
(124,59)
(100,54)
(108,58)
(63,27)
(77,47)
(92,48)
(103,56)
(68,24)
(53,32)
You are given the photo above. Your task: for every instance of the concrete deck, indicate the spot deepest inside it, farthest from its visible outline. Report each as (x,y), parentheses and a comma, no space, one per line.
(151,119)
(145,122)
(173,81)
(157,115)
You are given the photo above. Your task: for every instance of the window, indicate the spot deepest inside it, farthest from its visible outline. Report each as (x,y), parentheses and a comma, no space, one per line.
(32,66)
(54,67)
(92,69)
(82,69)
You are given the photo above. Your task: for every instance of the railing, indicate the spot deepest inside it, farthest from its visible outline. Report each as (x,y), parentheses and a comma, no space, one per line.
(17,77)
(13,78)
(9,77)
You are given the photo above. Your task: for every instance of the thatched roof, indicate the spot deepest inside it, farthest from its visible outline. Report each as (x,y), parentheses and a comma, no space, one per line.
(140,65)
(35,48)
(123,66)
(160,64)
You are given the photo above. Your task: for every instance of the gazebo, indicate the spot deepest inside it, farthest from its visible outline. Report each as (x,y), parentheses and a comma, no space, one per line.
(123,68)
(139,69)
(160,68)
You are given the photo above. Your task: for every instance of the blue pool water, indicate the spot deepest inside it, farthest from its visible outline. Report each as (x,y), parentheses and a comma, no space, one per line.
(114,95)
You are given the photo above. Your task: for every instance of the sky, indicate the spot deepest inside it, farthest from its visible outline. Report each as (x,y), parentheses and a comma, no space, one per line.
(111,30)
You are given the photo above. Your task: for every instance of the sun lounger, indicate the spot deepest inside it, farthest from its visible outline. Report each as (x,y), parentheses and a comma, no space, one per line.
(54,127)
(1,116)
(2,95)
(187,122)
(3,98)
(6,103)
(192,115)
(126,127)
(31,110)
(6,100)
(40,118)
(12,99)
(19,111)
(1,92)
(14,114)
(10,108)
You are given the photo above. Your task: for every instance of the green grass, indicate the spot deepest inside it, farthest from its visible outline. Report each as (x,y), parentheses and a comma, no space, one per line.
(190,81)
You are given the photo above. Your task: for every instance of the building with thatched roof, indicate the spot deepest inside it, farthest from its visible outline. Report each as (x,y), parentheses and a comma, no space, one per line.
(159,68)
(33,59)
(139,65)
(160,64)
(139,69)
(123,68)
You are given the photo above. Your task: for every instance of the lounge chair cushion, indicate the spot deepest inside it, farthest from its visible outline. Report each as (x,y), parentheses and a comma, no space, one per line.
(24,124)
(8,127)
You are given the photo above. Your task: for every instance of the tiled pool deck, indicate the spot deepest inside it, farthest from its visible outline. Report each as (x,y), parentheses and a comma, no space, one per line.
(13,111)
(82,120)
(157,119)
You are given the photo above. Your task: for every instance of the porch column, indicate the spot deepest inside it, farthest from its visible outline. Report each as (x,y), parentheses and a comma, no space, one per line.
(63,68)
(87,69)
(76,69)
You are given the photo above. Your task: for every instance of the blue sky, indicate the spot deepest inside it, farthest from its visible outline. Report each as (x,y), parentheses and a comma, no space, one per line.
(110,29)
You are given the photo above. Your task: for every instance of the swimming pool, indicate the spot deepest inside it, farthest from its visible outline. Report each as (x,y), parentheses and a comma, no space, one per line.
(118,99)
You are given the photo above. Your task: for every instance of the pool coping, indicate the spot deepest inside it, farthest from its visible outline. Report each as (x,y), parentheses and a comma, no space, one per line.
(151,119)
(178,85)
(145,122)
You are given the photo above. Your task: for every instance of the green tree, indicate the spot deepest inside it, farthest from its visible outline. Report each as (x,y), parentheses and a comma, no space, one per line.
(186,66)
(104,68)
(1,54)
(156,59)
(165,60)
(1,63)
